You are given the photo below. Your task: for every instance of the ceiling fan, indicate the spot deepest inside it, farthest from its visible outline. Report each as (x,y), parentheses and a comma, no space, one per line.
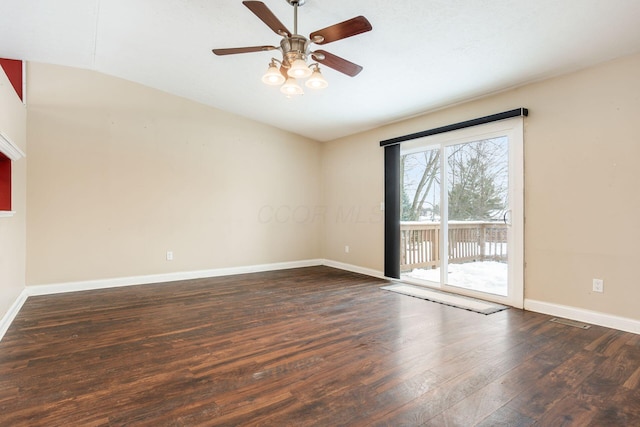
(296,50)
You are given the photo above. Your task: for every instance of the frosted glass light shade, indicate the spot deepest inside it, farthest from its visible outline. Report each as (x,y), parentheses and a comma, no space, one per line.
(291,87)
(299,69)
(273,76)
(316,81)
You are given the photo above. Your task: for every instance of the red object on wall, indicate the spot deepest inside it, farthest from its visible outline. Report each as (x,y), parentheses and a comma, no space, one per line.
(13,70)
(5,183)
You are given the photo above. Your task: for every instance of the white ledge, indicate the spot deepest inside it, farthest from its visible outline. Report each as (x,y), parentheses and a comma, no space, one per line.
(7,214)
(9,149)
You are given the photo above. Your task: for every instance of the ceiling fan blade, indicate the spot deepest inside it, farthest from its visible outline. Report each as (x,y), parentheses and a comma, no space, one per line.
(337,63)
(262,11)
(349,28)
(234,50)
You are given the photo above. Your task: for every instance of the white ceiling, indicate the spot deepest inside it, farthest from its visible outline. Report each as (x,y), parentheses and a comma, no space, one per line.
(421,54)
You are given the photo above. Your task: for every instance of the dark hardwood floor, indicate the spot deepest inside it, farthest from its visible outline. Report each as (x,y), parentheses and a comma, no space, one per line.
(306,347)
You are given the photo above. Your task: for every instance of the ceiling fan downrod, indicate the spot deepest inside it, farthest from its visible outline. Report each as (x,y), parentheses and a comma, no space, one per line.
(295,4)
(295,47)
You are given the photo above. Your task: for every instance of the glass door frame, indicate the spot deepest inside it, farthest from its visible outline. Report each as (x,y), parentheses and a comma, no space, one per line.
(514,130)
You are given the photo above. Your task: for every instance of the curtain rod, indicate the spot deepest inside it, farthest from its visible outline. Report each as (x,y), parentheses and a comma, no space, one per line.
(461,125)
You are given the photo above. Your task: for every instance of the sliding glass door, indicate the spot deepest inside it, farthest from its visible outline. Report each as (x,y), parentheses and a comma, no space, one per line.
(461,215)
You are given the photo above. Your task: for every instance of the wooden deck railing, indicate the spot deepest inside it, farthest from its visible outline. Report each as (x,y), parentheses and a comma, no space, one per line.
(468,241)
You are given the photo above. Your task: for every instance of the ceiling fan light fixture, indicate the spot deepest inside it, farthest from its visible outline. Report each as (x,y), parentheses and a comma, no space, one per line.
(295,50)
(291,87)
(299,69)
(273,76)
(316,81)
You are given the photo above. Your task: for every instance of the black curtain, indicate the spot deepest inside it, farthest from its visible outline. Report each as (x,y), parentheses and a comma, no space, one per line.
(392,211)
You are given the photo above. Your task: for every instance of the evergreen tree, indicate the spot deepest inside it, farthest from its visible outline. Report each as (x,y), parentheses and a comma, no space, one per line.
(477,181)
(407,213)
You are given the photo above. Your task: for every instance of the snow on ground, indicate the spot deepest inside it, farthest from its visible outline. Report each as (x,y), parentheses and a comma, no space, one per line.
(487,276)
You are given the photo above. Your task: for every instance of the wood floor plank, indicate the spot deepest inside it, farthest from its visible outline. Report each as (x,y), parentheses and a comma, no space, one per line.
(479,405)
(570,368)
(314,346)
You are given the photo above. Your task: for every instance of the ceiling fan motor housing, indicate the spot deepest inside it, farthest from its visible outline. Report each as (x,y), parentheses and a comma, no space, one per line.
(294,47)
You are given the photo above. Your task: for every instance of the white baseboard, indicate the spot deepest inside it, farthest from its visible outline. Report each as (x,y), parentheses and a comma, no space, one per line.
(88,285)
(354,268)
(582,315)
(11,314)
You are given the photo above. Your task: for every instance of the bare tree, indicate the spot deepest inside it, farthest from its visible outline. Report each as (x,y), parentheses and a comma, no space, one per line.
(419,172)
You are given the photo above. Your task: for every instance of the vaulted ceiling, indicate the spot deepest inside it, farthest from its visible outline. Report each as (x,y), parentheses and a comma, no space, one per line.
(421,55)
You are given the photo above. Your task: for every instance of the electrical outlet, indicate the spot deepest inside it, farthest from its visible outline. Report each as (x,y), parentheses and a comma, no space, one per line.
(598,285)
(169,256)
(346,249)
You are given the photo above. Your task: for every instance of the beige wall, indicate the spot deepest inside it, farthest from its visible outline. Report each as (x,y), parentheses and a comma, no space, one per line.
(353,189)
(582,203)
(13,123)
(120,173)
